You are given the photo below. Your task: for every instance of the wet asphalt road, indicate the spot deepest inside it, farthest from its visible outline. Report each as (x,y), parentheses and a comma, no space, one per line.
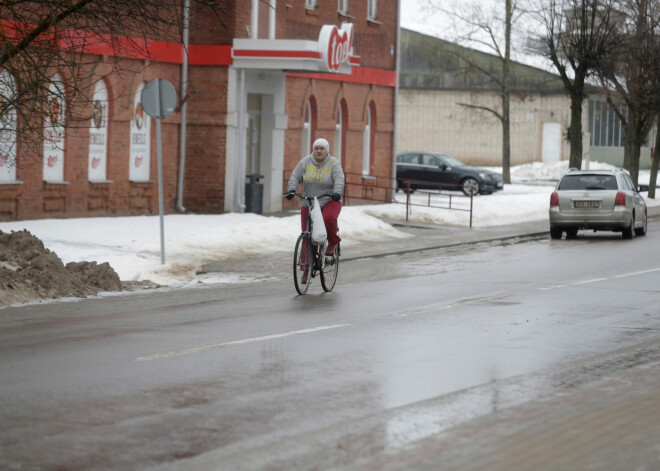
(254,377)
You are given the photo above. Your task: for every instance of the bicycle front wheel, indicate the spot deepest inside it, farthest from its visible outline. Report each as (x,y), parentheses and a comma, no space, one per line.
(302,273)
(330,271)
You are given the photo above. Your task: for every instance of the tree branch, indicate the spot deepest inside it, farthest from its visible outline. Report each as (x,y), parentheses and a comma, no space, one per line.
(482,108)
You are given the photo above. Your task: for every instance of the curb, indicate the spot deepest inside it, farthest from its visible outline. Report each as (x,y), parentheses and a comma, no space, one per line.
(522,238)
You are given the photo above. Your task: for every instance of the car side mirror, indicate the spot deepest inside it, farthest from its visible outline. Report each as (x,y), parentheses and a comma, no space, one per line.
(442,167)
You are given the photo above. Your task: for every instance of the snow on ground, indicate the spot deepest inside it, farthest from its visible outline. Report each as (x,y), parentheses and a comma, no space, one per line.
(132,244)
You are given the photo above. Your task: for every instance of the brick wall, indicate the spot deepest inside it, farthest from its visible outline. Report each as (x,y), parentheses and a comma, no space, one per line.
(207,126)
(328,94)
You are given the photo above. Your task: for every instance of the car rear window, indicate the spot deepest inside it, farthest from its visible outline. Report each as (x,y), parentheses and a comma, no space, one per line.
(588,182)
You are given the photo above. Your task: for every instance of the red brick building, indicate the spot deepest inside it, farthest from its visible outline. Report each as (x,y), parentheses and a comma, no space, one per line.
(259,92)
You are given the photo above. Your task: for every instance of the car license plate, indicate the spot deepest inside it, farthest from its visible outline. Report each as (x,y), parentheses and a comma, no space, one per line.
(586,204)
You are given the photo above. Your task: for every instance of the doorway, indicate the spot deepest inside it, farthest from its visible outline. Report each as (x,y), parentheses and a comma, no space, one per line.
(551,144)
(255,137)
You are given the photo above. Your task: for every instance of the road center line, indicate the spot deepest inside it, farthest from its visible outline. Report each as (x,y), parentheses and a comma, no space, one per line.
(239,342)
(623,275)
(461,303)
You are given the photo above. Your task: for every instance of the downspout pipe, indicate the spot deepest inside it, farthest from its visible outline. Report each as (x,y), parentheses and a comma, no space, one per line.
(271,19)
(184,104)
(396,92)
(254,34)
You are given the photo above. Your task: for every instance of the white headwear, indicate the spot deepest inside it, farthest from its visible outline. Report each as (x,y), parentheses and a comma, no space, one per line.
(323,143)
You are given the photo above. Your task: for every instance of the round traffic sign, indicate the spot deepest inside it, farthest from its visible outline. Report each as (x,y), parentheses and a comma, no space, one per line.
(158,98)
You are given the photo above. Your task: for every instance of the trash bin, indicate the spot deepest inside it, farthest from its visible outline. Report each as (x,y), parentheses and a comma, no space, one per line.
(254,194)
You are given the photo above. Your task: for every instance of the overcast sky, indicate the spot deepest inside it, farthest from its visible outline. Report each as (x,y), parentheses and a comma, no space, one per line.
(439,25)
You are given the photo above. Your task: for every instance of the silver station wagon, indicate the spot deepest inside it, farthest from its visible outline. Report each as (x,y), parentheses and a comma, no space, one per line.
(598,200)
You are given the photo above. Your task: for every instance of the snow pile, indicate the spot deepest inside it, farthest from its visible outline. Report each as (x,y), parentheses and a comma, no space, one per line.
(30,271)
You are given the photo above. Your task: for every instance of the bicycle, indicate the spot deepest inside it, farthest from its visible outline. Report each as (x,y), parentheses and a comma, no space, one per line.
(310,258)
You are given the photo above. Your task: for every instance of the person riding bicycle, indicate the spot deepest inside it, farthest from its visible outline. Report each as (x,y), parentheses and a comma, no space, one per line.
(320,174)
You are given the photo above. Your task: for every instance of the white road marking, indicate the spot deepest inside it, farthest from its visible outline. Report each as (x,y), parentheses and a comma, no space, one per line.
(623,275)
(239,342)
(461,303)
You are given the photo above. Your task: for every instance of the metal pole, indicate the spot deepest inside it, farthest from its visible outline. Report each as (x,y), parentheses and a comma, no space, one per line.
(160,192)
(471,200)
(407,200)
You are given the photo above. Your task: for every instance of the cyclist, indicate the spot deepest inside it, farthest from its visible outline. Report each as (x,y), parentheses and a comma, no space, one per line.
(320,174)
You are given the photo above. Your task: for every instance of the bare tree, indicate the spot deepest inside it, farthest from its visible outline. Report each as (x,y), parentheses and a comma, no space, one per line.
(71,37)
(653,178)
(631,76)
(579,36)
(489,30)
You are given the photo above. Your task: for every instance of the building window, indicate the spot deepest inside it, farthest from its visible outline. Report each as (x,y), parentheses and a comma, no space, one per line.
(98,134)
(309,126)
(307,131)
(54,132)
(367,143)
(372,9)
(8,123)
(140,145)
(605,126)
(311,4)
(342,7)
(340,126)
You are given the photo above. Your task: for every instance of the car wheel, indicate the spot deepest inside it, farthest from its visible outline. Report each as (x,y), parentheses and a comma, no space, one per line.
(571,233)
(629,232)
(555,233)
(642,230)
(470,185)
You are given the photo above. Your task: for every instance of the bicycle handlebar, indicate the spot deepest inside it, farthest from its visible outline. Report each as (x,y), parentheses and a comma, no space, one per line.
(308,198)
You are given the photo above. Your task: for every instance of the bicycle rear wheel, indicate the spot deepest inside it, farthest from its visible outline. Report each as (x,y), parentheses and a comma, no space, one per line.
(302,273)
(330,271)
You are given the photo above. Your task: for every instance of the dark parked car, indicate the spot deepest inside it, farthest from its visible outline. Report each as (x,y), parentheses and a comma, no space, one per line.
(427,170)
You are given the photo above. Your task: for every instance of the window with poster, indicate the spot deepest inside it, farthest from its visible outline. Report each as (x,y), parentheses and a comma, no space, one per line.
(98,134)
(140,145)
(53,167)
(7,127)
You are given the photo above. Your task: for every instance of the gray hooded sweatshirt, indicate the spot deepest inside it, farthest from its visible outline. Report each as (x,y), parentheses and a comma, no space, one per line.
(318,179)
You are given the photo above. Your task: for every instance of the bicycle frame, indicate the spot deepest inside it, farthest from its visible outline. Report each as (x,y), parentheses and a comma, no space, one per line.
(308,257)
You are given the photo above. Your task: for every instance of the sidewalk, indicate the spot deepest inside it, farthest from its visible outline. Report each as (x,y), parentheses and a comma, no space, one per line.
(611,424)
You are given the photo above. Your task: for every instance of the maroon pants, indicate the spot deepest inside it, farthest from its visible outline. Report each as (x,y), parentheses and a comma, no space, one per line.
(330,214)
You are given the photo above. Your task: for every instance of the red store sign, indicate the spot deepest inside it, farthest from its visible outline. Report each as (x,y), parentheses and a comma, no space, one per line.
(335,45)
(333,52)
